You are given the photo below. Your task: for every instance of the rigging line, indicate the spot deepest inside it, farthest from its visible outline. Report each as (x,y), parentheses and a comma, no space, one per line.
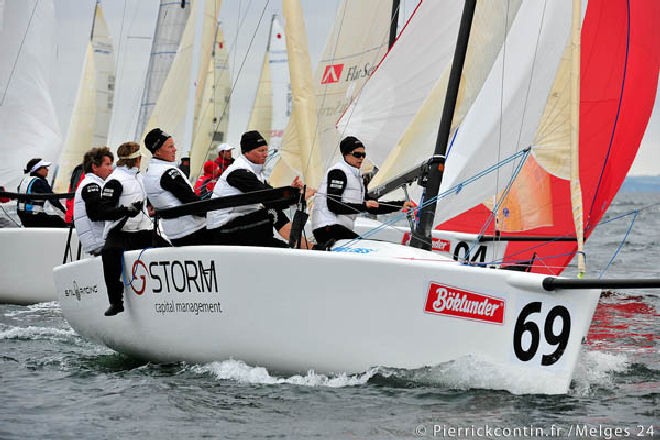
(18,54)
(492,216)
(618,113)
(499,126)
(459,186)
(623,240)
(9,216)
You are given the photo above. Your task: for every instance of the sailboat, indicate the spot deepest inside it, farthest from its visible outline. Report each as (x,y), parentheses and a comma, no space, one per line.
(29,125)
(385,304)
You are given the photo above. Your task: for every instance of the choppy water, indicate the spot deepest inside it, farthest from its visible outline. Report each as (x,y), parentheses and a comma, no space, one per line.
(57,385)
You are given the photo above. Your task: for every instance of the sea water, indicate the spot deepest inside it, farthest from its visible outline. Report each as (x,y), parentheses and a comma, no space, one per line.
(57,385)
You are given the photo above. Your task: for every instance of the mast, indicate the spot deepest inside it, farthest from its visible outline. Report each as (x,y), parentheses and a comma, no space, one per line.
(394,21)
(421,236)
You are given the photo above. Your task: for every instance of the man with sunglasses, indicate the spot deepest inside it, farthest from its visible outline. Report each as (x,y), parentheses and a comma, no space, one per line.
(341,196)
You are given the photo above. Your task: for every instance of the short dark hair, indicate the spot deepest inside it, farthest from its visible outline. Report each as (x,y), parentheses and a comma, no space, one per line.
(31,163)
(95,157)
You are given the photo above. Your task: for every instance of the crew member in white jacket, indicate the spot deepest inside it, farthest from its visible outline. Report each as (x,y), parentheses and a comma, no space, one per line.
(167,186)
(88,216)
(123,200)
(248,225)
(342,196)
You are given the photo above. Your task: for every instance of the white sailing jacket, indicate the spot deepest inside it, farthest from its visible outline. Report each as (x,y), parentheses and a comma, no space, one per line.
(133,191)
(90,232)
(220,217)
(160,198)
(353,193)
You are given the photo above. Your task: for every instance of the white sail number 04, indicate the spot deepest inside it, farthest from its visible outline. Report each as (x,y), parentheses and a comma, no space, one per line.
(527,327)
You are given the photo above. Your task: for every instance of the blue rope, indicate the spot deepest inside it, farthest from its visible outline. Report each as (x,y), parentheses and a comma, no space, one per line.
(618,249)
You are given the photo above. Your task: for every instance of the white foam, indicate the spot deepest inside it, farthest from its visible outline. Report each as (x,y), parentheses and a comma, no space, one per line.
(35,308)
(241,372)
(474,372)
(33,332)
(597,368)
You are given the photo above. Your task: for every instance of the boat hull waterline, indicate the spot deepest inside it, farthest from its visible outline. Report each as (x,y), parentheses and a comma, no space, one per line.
(374,305)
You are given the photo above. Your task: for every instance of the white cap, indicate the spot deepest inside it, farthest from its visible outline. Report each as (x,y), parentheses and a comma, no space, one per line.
(40,164)
(224,147)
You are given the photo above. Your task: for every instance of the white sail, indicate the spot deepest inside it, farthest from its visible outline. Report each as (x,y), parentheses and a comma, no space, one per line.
(90,118)
(172,18)
(28,124)
(355,45)
(505,116)
(214,107)
(280,84)
(387,105)
(261,114)
(489,26)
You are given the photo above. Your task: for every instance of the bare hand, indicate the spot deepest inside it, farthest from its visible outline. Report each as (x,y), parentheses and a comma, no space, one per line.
(372,204)
(297,183)
(409,205)
(309,193)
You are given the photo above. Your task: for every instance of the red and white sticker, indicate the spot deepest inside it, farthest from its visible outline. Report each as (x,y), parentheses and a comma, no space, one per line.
(448,300)
(438,244)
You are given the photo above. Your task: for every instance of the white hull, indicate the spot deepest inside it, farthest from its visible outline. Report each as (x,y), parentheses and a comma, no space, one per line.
(294,310)
(27,258)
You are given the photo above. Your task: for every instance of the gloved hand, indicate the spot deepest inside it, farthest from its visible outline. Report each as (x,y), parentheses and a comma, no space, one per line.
(134,209)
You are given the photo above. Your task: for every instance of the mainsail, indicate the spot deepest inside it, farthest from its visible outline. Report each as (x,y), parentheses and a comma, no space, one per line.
(172,18)
(353,48)
(28,123)
(90,118)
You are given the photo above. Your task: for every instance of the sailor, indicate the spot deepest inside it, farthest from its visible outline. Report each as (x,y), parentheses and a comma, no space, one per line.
(248,225)
(342,196)
(184,166)
(224,158)
(87,214)
(123,203)
(206,182)
(167,186)
(39,213)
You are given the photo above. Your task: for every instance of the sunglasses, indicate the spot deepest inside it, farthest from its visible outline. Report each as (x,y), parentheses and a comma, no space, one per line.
(358,155)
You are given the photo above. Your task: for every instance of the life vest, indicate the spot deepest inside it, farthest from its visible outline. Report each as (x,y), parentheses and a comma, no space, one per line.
(90,233)
(29,206)
(219,217)
(160,198)
(132,191)
(353,193)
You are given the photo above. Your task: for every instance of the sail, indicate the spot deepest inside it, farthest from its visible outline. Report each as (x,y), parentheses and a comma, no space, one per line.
(490,24)
(90,118)
(619,61)
(179,102)
(172,18)
(262,109)
(271,109)
(212,122)
(355,45)
(28,123)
